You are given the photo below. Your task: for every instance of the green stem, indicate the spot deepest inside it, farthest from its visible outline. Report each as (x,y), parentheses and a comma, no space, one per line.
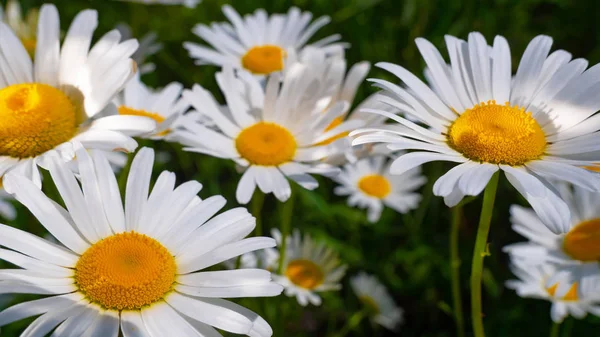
(286,226)
(352,322)
(256,207)
(555,329)
(455,270)
(489,196)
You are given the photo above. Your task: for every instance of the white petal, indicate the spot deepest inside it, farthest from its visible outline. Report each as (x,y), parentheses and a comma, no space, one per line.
(138,184)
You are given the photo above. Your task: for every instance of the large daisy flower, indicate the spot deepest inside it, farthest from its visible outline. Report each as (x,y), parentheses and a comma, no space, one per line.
(259,43)
(48,104)
(579,246)
(378,301)
(570,294)
(369,185)
(534,127)
(271,132)
(133,270)
(24,27)
(164,106)
(309,267)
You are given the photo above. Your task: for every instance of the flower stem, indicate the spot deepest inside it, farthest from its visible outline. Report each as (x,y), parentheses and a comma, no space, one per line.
(352,322)
(455,271)
(489,196)
(555,329)
(256,207)
(286,225)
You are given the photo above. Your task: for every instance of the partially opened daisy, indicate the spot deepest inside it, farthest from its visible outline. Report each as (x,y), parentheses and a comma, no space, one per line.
(309,268)
(272,133)
(570,294)
(164,106)
(24,27)
(368,184)
(259,43)
(579,246)
(535,126)
(377,300)
(133,270)
(48,104)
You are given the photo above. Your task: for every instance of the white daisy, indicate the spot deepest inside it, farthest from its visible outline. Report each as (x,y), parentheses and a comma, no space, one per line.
(309,267)
(148,47)
(187,3)
(259,43)
(133,270)
(536,127)
(164,106)
(24,28)
(578,247)
(378,301)
(48,104)
(369,185)
(575,295)
(273,132)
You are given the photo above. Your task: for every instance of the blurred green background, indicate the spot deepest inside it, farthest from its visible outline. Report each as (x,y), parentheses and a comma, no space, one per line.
(410,253)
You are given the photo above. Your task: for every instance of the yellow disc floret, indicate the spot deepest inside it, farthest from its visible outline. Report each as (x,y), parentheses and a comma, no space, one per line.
(34,118)
(126,271)
(305,274)
(497,134)
(375,185)
(582,242)
(571,294)
(266,144)
(336,122)
(264,59)
(123,110)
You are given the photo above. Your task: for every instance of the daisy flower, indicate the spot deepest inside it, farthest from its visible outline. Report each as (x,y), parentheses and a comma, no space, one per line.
(148,47)
(369,185)
(186,3)
(579,246)
(270,132)
(24,28)
(259,43)
(164,106)
(536,126)
(133,270)
(308,268)
(376,298)
(575,295)
(48,104)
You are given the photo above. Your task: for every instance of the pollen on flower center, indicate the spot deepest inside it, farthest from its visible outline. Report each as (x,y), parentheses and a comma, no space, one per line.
(375,185)
(571,294)
(264,59)
(305,274)
(582,242)
(266,144)
(124,110)
(497,134)
(34,118)
(125,271)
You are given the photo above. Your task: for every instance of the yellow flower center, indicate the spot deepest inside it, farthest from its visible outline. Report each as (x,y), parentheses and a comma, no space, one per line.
(34,118)
(29,45)
(123,110)
(571,295)
(305,274)
(582,242)
(595,168)
(497,134)
(266,144)
(370,303)
(337,121)
(264,59)
(125,271)
(375,185)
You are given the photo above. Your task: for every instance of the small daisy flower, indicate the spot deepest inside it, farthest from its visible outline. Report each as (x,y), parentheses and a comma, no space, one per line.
(575,295)
(259,43)
(186,3)
(24,28)
(535,128)
(272,132)
(369,185)
(48,104)
(135,270)
(578,246)
(378,301)
(164,106)
(309,268)
(148,47)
